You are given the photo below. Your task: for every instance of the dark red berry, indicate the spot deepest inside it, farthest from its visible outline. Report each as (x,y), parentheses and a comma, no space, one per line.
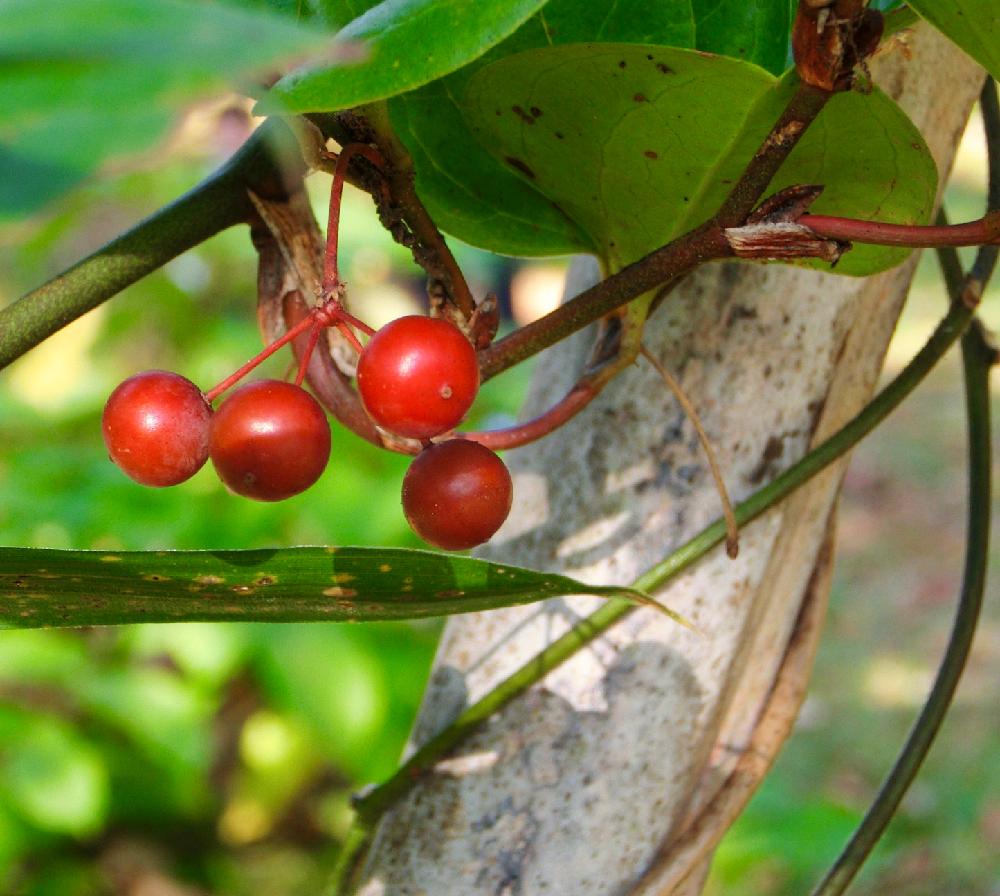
(156,427)
(269,440)
(456,494)
(418,376)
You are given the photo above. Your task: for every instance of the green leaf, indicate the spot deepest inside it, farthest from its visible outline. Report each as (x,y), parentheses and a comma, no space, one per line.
(56,588)
(476,198)
(674,132)
(102,78)
(404,43)
(972,24)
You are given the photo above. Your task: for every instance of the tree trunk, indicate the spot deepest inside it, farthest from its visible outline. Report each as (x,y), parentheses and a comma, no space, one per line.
(619,773)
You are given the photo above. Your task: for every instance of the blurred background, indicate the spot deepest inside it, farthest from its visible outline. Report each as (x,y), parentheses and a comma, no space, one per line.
(199,759)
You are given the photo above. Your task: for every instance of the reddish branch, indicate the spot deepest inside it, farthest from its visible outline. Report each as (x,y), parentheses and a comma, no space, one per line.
(985,231)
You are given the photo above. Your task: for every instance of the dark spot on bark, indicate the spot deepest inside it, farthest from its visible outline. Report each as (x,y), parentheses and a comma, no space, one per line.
(520,166)
(815,409)
(687,472)
(742,312)
(773,450)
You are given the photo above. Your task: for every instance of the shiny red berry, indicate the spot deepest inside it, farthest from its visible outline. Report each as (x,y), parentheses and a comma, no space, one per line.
(269,440)
(456,494)
(418,376)
(156,427)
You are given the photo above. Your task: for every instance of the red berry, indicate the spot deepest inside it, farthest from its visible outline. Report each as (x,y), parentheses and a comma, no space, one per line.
(155,426)
(456,494)
(270,440)
(418,376)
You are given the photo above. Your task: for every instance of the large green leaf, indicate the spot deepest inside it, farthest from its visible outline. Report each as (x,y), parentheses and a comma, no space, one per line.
(92,79)
(972,24)
(474,197)
(56,588)
(404,43)
(638,144)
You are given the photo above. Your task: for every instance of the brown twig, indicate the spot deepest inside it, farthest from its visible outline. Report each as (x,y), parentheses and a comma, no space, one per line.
(429,248)
(705,243)
(803,107)
(732,527)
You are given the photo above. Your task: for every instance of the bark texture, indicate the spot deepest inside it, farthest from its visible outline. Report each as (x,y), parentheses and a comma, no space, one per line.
(620,772)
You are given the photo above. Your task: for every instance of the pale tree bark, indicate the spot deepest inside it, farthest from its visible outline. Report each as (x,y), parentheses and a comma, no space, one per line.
(619,773)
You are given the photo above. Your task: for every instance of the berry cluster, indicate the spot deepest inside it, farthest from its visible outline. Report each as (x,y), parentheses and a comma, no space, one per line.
(417,378)
(270,440)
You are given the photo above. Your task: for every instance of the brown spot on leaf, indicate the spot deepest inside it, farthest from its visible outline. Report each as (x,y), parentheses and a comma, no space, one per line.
(526,117)
(651,154)
(337,591)
(640,98)
(520,166)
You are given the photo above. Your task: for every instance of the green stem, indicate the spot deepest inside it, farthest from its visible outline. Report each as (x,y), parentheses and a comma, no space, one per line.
(377,800)
(217,203)
(977,357)
(349,858)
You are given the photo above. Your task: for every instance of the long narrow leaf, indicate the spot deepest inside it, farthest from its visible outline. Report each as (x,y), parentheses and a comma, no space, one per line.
(62,588)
